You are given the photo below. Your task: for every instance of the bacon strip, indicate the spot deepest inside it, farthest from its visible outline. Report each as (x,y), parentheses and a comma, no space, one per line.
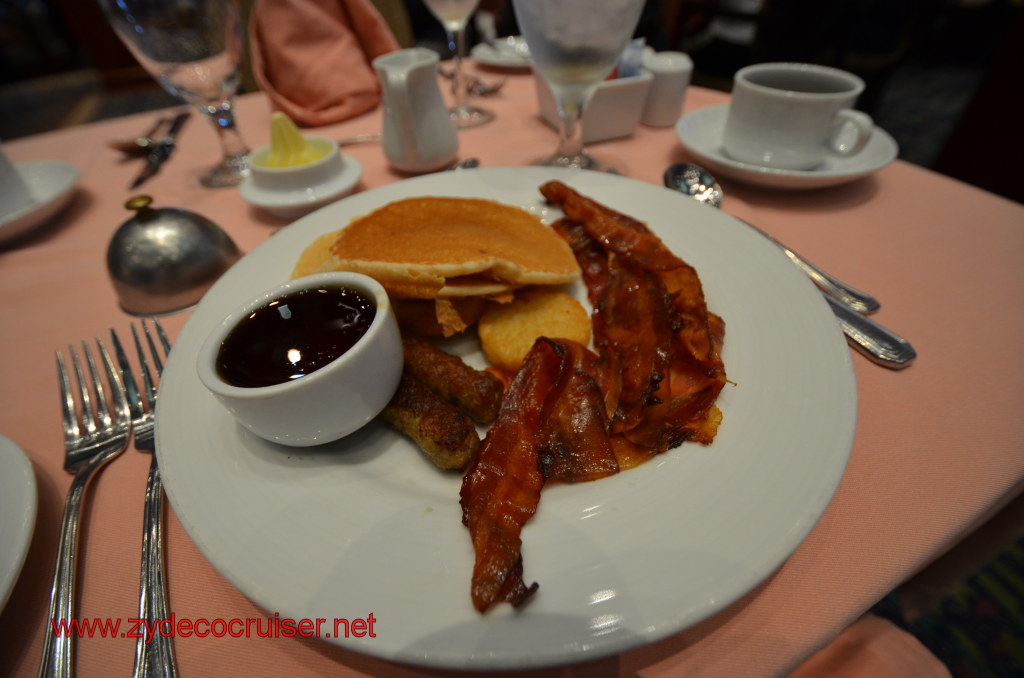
(551,427)
(615,231)
(651,318)
(573,441)
(501,490)
(570,415)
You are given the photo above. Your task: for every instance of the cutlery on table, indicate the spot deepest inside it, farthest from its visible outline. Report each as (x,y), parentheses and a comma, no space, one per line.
(475,85)
(468,163)
(359,139)
(93,435)
(154,655)
(878,343)
(140,145)
(160,152)
(698,183)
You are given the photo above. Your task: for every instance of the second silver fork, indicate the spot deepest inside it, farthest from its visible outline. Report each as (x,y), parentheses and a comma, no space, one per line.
(154,651)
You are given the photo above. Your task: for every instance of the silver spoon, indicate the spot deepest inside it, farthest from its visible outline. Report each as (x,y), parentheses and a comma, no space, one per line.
(698,183)
(878,343)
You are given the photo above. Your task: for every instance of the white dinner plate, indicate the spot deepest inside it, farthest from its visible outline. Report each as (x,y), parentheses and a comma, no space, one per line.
(509,52)
(368,525)
(17,513)
(51,184)
(700,132)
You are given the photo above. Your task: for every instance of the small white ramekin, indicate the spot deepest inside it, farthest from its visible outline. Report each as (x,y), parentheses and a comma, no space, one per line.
(291,192)
(327,404)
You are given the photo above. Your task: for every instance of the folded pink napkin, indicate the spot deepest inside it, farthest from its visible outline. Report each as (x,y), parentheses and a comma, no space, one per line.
(312,57)
(872,647)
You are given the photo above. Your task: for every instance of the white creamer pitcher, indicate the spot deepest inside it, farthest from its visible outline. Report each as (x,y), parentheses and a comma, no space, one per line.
(418,134)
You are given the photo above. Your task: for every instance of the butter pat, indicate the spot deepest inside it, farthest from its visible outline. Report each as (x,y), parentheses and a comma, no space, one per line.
(288,148)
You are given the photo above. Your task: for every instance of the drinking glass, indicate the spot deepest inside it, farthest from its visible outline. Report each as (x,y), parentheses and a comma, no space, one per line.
(454,15)
(193,48)
(574,44)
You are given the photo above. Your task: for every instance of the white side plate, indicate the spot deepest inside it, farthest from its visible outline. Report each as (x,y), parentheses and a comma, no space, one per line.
(17,513)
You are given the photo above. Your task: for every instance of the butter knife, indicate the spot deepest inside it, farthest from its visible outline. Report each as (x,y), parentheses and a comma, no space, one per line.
(852,297)
(880,344)
(161,151)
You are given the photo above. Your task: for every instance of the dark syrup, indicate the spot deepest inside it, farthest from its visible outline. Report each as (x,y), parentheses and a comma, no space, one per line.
(294,336)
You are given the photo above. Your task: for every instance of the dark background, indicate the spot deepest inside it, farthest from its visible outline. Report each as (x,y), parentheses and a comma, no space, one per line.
(944,76)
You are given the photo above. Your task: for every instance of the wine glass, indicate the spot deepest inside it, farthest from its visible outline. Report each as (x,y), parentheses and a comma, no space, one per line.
(454,15)
(574,44)
(193,48)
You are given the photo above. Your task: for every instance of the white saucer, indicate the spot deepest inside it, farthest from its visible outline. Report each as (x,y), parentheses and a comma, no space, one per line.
(507,54)
(51,183)
(17,513)
(700,133)
(293,204)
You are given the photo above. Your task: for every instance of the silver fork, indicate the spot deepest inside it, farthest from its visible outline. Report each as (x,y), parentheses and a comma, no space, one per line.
(93,435)
(154,653)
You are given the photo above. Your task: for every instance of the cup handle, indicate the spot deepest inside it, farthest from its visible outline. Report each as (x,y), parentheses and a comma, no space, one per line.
(862,125)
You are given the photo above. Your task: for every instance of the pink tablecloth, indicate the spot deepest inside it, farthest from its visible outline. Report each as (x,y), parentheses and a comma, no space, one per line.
(938,448)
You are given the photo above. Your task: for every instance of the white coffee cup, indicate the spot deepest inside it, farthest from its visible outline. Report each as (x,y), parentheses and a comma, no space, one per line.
(672,72)
(791,115)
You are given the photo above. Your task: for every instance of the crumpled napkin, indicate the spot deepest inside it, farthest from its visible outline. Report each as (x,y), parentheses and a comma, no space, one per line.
(312,57)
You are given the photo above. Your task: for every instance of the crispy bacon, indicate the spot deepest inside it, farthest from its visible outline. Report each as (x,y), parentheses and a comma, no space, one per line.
(551,427)
(572,415)
(614,231)
(651,318)
(501,490)
(573,439)
(589,255)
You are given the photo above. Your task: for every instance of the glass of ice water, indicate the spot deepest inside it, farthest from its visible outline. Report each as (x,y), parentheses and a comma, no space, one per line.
(193,48)
(574,45)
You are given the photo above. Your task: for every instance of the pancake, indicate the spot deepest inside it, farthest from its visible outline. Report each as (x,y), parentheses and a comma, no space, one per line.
(453,252)
(429,247)
(315,255)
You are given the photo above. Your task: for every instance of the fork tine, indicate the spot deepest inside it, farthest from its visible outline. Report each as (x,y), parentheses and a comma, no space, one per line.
(163,336)
(88,421)
(67,405)
(117,389)
(102,411)
(131,388)
(158,364)
(147,379)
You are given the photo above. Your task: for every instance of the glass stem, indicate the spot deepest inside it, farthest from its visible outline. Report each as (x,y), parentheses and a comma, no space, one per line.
(570,142)
(223,118)
(457,42)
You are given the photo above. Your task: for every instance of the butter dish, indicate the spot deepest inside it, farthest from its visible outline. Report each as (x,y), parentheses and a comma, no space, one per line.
(291,192)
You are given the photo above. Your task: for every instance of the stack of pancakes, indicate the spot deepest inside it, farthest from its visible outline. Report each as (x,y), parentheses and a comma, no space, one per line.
(441,259)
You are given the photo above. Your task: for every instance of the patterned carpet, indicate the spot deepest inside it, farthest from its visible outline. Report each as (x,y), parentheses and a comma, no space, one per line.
(977,630)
